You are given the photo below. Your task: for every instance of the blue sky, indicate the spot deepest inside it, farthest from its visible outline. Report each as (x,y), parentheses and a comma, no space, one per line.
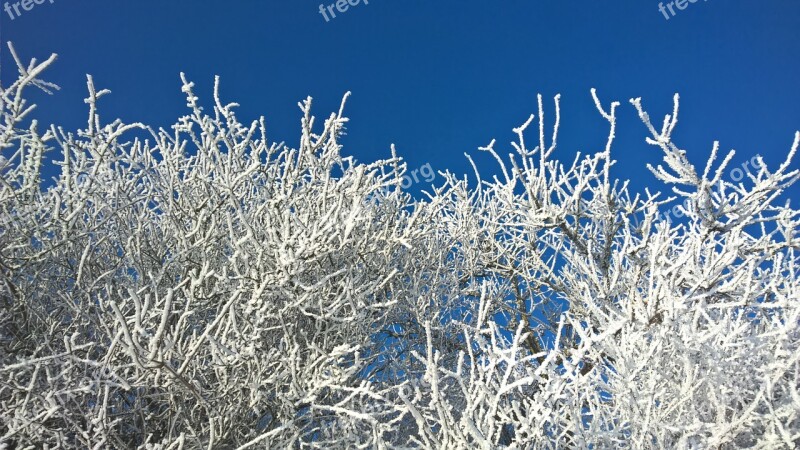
(437,78)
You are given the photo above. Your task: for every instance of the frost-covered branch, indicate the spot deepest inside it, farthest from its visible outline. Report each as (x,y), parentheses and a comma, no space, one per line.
(206,288)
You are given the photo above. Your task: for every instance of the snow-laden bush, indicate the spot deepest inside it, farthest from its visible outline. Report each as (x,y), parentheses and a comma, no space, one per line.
(204,288)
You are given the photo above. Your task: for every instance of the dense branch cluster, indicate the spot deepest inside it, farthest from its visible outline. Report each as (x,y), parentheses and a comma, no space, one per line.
(204,288)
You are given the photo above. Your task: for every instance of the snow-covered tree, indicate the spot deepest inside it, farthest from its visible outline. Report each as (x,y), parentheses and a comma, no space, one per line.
(201,287)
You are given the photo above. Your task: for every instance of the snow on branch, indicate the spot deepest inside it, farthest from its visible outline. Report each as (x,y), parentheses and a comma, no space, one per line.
(207,288)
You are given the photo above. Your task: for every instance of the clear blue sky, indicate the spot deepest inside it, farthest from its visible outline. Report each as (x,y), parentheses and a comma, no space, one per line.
(437,78)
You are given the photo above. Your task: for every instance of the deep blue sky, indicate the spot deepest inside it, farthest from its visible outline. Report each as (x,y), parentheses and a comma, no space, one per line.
(437,78)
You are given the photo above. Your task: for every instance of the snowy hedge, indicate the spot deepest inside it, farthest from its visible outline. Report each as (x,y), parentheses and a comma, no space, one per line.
(205,288)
